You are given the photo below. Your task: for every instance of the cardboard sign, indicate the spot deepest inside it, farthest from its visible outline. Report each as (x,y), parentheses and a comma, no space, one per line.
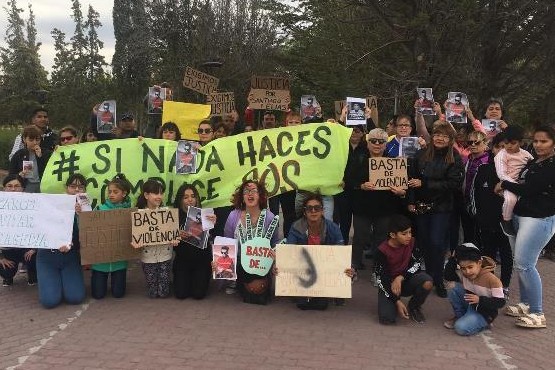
(257,256)
(313,271)
(221,103)
(387,172)
(269,93)
(338,105)
(105,236)
(199,81)
(154,226)
(33,220)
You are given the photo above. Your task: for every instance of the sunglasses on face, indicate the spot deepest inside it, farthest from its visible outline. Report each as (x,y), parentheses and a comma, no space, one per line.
(204,131)
(473,142)
(376,141)
(313,208)
(66,138)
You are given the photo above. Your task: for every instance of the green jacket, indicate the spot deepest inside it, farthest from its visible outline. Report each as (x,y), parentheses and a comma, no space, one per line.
(118,265)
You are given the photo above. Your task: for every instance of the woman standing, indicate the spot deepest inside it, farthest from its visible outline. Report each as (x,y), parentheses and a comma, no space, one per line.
(534,216)
(248,220)
(436,174)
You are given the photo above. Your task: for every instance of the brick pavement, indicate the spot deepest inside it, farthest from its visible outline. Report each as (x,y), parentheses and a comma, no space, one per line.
(221,332)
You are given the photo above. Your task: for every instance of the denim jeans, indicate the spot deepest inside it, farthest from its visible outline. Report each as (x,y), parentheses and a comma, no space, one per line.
(469,321)
(532,236)
(99,283)
(60,277)
(432,237)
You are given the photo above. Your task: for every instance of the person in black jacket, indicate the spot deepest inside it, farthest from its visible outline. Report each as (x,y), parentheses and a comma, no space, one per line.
(192,265)
(435,174)
(398,274)
(30,161)
(485,207)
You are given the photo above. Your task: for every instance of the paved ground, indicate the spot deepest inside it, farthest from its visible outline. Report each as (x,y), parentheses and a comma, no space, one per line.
(222,332)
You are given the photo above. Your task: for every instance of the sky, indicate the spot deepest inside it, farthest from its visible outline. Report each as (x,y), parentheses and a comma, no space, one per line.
(50,14)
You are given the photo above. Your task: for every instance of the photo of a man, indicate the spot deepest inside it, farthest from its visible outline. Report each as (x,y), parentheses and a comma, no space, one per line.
(225,264)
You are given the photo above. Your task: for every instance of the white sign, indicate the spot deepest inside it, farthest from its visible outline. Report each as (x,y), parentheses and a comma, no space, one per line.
(33,220)
(355,111)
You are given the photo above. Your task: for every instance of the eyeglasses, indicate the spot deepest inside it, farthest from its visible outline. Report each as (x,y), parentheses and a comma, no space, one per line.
(66,138)
(78,187)
(204,131)
(313,208)
(250,191)
(377,141)
(473,142)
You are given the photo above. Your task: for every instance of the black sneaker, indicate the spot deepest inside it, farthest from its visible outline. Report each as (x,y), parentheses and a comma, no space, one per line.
(416,315)
(441,291)
(7,282)
(507,228)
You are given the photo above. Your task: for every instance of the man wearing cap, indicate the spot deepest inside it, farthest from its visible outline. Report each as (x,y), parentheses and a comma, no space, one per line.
(126,128)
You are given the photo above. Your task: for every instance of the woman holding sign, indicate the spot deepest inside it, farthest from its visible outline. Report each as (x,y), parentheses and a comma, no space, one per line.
(59,270)
(437,173)
(254,227)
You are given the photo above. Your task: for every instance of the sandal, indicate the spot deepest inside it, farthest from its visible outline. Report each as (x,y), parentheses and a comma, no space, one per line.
(517,310)
(532,320)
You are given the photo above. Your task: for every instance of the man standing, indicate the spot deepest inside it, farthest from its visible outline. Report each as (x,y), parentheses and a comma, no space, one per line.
(268,120)
(126,127)
(39,118)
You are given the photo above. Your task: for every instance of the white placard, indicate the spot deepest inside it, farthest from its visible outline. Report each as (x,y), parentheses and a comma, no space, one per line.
(33,220)
(355,111)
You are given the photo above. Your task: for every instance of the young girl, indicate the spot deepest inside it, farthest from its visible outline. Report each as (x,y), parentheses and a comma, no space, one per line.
(170,131)
(192,266)
(156,259)
(508,164)
(118,197)
(477,294)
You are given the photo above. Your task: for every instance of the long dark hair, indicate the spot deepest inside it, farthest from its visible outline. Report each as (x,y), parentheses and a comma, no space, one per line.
(430,152)
(170,126)
(121,182)
(150,186)
(179,198)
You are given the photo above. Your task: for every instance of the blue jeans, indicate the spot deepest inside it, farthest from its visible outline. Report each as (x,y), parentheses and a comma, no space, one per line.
(99,283)
(432,237)
(532,236)
(469,321)
(60,277)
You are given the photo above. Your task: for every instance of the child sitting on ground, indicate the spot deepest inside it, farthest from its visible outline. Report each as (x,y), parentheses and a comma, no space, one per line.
(398,274)
(477,294)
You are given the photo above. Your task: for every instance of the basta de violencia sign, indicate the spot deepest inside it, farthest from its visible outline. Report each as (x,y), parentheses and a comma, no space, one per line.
(257,256)
(285,159)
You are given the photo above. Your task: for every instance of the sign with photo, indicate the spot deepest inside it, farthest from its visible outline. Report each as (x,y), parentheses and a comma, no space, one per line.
(224,255)
(426,99)
(106,117)
(355,111)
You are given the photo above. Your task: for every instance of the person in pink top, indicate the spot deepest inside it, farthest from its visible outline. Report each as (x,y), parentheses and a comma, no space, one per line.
(494,111)
(508,164)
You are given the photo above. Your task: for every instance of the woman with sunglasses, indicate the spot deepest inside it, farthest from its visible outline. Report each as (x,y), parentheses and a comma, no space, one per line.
(314,229)
(434,177)
(68,136)
(372,208)
(205,132)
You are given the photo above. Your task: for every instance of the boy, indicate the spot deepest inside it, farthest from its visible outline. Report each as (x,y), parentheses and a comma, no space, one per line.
(477,294)
(398,274)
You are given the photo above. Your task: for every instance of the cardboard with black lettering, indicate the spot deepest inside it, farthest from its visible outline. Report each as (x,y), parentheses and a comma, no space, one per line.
(221,103)
(388,172)
(199,81)
(313,271)
(269,93)
(105,236)
(154,226)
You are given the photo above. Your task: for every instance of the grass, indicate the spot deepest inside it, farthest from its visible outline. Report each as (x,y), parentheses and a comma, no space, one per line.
(7,136)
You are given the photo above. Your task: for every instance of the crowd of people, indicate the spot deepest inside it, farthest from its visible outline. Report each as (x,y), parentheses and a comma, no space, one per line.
(474,199)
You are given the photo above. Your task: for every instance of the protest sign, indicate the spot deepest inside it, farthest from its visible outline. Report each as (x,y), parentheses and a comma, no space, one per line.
(186,116)
(285,159)
(269,93)
(455,108)
(186,157)
(106,117)
(196,236)
(154,226)
(338,105)
(355,112)
(491,126)
(257,256)
(156,97)
(221,103)
(313,270)
(32,220)
(199,81)
(84,201)
(310,108)
(224,254)
(408,146)
(387,172)
(426,99)
(105,236)
(372,103)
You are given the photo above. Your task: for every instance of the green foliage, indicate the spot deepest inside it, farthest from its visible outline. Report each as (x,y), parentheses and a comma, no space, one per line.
(7,136)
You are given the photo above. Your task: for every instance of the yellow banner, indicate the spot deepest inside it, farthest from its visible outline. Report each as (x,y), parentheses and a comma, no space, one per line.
(309,157)
(186,116)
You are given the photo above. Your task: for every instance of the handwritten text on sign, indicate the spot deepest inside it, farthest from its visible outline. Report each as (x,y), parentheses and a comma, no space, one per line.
(106,236)
(313,271)
(221,103)
(257,256)
(155,226)
(29,220)
(199,81)
(388,172)
(284,159)
(270,93)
